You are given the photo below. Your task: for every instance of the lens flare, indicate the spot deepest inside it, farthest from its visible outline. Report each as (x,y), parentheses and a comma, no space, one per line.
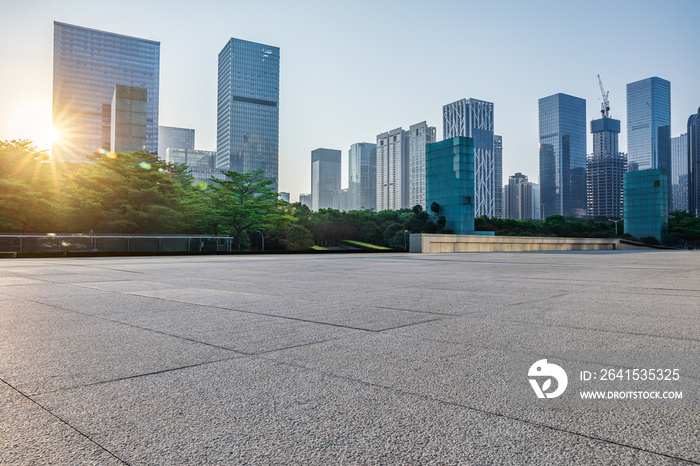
(145,165)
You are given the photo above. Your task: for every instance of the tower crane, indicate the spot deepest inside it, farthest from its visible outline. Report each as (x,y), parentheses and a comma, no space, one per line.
(605,106)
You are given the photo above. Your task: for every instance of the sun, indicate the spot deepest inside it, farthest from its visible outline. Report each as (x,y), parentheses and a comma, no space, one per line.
(54,134)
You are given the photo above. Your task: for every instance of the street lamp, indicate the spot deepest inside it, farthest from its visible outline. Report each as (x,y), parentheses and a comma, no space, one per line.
(611,220)
(263,239)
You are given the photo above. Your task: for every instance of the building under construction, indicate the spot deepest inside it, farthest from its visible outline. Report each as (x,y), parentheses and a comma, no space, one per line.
(606,166)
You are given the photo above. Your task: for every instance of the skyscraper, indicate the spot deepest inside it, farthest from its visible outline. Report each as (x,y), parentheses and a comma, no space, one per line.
(694,164)
(649,124)
(679,172)
(562,155)
(419,135)
(174,138)
(604,170)
(498,174)
(325,178)
(87,65)
(392,170)
(519,199)
(362,176)
(247,134)
(474,118)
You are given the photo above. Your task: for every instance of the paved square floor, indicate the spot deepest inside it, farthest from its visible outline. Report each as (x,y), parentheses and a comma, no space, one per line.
(347,358)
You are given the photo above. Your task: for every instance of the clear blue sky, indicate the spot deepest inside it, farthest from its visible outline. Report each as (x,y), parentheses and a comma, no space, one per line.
(351,70)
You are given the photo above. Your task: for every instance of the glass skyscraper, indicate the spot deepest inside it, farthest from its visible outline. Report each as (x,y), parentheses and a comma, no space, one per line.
(649,124)
(562,155)
(694,164)
(247,136)
(87,65)
(325,178)
(362,176)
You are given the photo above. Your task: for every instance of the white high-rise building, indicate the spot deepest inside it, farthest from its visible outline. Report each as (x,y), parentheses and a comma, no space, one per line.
(498,175)
(392,170)
(419,135)
(474,118)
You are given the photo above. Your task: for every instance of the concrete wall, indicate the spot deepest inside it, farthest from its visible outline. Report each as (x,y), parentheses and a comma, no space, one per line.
(425,243)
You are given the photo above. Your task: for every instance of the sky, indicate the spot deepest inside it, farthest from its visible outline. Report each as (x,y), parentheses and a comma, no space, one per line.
(352,70)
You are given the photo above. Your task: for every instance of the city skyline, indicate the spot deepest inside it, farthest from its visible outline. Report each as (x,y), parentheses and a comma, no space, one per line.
(324,104)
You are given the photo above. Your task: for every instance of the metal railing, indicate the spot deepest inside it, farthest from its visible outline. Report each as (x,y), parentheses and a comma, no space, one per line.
(113,243)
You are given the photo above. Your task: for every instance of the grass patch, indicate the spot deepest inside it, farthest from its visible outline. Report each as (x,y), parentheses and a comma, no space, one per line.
(319,248)
(360,244)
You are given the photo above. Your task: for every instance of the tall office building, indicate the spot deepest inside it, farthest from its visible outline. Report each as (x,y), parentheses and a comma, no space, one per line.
(498,175)
(649,126)
(325,178)
(520,201)
(87,65)
(362,176)
(247,133)
(449,181)
(128,122)
(536,201)
(694,164)
(562,155)
(419,135)
(474,118)
(679,172)
(604,170)
(174,138)
(392,170)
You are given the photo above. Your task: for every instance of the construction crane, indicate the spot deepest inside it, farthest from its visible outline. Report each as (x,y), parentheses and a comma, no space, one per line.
(605,106)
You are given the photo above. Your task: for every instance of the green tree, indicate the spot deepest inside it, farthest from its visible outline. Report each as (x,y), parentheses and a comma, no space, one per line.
(125,193)
(246,202)
(30,188)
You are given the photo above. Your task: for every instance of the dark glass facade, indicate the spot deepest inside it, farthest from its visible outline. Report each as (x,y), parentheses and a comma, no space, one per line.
(694,164)
(449,181)
(562,121)
(649,124)
(87,66)
(247,136)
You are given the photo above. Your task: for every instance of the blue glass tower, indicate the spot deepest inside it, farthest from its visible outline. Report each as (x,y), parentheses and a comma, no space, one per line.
(449,181)
(649,124)
(247,135)
(87,65)
(562,155)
